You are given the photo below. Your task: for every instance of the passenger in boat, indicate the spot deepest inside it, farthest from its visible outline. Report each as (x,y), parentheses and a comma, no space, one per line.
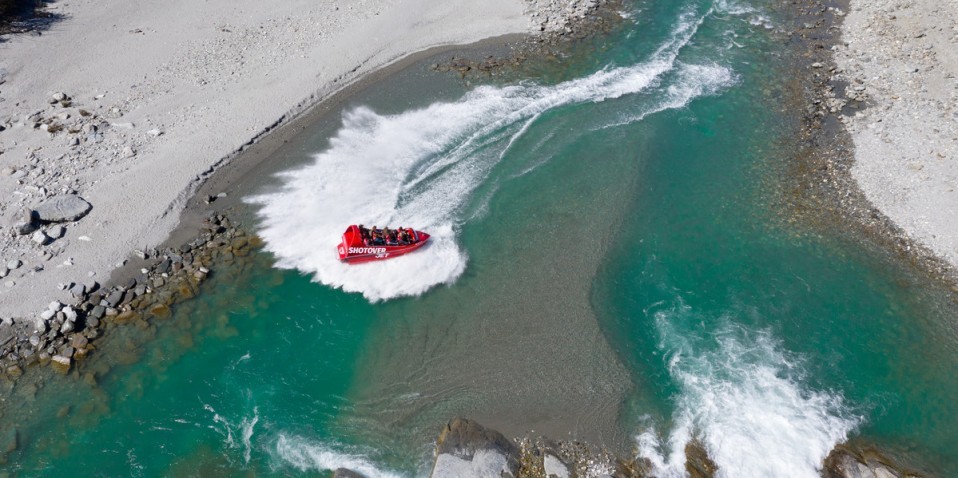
(391,238)
(376,237)
(364,234)
(404,237)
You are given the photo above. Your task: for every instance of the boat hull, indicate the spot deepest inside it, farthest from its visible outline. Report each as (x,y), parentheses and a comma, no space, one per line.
(352,250)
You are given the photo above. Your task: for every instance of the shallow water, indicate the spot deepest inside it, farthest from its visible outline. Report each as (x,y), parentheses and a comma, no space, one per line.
(608,264)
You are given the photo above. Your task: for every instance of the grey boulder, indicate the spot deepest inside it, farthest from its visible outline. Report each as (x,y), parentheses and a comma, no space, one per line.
(26,222)
(466,449)
(63,208)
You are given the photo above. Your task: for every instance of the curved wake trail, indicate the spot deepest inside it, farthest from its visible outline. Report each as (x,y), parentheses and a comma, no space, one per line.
(418,168)
(745,401)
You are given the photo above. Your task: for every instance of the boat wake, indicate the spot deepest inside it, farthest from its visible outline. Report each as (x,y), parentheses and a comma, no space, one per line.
(419,168)
(306,455)
(744,399)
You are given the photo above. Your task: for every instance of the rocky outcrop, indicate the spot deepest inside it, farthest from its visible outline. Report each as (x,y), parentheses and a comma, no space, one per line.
(697,461)
(469,450)
(466,449)
(845,462)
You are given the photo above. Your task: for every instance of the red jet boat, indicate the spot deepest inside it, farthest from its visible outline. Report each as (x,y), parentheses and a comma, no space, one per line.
(355,249)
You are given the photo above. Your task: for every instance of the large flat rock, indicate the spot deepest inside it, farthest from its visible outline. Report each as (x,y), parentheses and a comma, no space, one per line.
(64,208)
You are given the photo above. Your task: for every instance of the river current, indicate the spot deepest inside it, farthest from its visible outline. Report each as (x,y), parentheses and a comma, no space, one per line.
(609,262)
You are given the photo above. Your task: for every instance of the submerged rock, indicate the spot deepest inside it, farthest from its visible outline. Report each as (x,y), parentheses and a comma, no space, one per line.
(344,473)
(61,364)
(64,208)
(466,449)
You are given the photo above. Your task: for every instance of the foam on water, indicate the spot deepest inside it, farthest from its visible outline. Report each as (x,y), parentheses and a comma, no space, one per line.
(244,427)
(744,398)
(307,455)
(419,168)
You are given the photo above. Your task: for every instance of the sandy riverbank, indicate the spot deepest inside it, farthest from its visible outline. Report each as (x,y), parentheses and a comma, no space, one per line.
(168,91)
(901,59)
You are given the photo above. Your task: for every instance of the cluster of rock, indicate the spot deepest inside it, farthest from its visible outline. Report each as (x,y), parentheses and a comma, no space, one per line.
(846,462)
(557,23)
(557,19)
(489,65)
(61,334)
(466,449)
(48,159)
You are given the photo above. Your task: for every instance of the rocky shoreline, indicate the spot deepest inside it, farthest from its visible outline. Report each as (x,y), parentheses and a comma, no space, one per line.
(63,335)
(825,192)
(466,449)
(900,57)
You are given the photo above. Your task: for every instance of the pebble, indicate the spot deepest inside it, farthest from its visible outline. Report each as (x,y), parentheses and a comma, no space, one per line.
(9,284)
(55,232)
(14,264)
(154,132)
(40,238)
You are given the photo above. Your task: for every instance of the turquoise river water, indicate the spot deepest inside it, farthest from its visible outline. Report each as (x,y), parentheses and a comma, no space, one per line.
(609,263)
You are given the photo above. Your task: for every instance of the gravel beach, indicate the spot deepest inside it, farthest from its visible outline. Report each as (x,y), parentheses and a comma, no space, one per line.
(900,57)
